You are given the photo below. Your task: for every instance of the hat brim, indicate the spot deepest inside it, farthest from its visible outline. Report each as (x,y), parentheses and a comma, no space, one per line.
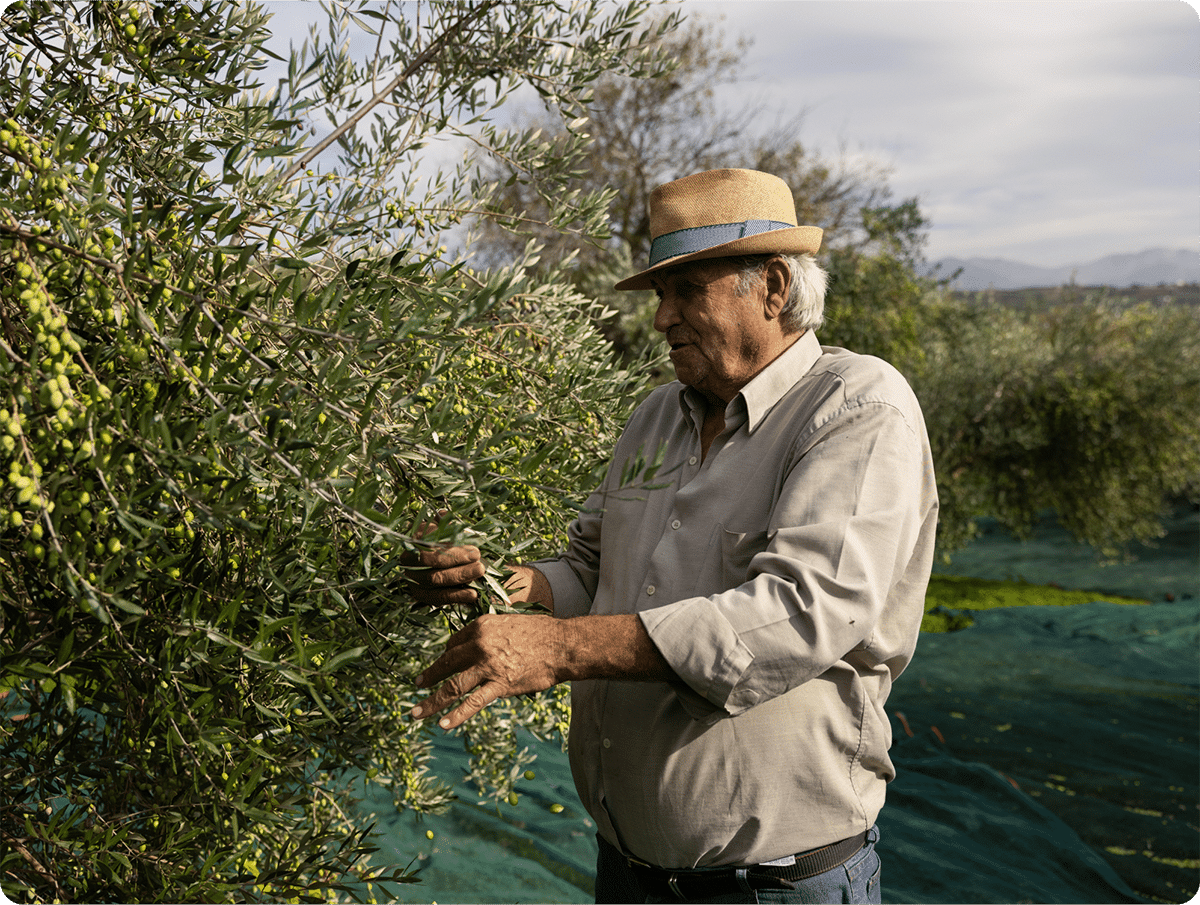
(793,240)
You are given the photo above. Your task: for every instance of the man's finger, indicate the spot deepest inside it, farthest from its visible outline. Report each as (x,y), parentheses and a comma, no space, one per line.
(448,557)
(425,527)
(452,578)
(443,557)
(449,692)
(473,702)
(430,596)
(471,705)
(440,576)
(456,658)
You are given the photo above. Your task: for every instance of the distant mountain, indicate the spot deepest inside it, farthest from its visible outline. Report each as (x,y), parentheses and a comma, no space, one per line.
(1145,268)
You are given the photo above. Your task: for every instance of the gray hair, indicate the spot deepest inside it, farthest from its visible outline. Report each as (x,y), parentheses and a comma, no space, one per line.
(804,308)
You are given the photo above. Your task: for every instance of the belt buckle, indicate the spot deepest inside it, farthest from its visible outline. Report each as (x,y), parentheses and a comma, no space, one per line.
(673,885)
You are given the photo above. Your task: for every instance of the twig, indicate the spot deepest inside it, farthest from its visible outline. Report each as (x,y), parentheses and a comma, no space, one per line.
(420,60)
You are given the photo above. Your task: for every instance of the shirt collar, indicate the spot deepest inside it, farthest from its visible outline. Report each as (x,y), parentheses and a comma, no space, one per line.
(770,384)
(767,387)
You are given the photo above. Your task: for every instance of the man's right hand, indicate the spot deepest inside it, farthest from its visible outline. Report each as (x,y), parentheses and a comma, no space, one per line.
(442,575)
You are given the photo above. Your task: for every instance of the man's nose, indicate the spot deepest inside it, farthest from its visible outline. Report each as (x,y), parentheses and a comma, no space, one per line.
(666,316)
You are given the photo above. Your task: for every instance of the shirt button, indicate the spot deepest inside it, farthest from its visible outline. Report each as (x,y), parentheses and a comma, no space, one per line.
(608,743)
(675,524)
(650,591)
(692,460)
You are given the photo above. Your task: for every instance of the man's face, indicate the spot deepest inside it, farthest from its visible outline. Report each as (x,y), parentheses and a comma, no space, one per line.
(719,340)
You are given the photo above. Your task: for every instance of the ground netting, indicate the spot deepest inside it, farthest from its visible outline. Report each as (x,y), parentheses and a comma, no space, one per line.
(1058,744)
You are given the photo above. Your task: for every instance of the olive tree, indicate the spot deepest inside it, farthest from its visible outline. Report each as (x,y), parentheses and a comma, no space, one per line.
(238,369)
(1085,407)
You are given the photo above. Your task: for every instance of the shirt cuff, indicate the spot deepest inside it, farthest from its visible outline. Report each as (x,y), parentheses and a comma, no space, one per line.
(705,651)
(570,597)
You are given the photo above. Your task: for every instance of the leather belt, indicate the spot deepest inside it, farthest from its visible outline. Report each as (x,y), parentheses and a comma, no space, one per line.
(706,883)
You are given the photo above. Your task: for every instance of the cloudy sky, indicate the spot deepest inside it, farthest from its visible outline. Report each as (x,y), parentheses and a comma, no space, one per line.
(1049,132)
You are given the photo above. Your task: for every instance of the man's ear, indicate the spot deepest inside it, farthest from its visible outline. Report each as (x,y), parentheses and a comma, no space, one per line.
(778,280)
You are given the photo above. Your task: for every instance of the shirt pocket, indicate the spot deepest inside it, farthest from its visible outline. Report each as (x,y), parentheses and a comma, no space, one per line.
(738,548)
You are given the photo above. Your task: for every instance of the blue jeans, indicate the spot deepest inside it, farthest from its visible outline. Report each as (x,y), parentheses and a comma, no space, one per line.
(855,881)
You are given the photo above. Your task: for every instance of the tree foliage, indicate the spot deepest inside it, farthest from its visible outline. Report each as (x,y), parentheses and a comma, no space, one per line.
(1086,407)
(876,303)
(649,131)
(236,370)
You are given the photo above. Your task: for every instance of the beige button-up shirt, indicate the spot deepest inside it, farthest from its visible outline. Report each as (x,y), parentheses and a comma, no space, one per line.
(783,578)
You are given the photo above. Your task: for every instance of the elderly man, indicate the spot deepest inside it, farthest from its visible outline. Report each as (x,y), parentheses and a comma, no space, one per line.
(731,628)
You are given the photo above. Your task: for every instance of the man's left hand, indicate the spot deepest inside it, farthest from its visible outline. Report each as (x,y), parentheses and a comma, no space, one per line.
(495,656)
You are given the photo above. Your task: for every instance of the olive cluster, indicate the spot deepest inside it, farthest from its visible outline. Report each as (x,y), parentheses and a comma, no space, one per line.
(165,32)
(42,414)
(73,347)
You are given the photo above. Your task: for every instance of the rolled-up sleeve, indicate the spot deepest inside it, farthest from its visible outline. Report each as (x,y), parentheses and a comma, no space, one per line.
(574,575)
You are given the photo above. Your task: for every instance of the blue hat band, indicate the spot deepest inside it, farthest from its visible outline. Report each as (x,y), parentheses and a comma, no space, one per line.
(699,238)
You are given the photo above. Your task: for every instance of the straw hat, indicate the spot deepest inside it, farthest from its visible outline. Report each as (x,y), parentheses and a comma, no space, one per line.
(719,213)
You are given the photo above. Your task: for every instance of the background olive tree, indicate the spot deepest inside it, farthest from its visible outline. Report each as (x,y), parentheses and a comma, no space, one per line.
(1085,406)
(238,367)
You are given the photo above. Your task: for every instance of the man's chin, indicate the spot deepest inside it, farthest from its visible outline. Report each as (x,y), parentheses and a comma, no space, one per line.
(686,371)
(689,378)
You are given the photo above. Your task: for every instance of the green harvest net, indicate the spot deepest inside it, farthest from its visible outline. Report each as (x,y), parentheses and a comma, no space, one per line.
(1054,750)
(1054,756)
